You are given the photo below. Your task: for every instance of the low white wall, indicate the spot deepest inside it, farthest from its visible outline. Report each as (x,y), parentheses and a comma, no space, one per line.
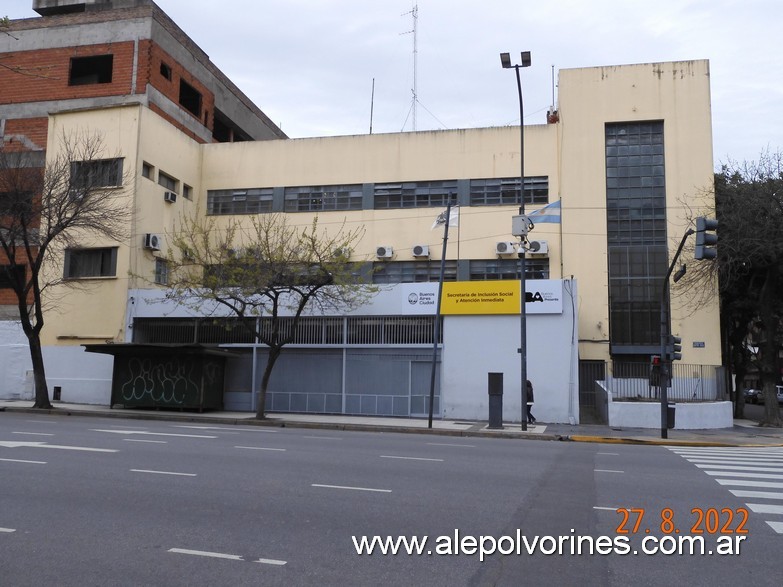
(688,416)
(85,378)
(15,364)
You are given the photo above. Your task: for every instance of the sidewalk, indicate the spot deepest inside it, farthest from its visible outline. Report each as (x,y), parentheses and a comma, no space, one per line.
(744,432)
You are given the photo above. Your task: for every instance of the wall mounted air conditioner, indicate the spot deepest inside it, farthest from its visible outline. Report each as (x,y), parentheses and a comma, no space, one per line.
(421,250)
(170,197)
(152,242)
(538,248)
(506,248)
(384,252)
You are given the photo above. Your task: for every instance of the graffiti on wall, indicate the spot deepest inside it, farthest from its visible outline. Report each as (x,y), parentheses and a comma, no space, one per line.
(174,381)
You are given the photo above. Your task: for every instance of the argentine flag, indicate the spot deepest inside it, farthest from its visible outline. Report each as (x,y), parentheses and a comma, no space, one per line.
(549,213)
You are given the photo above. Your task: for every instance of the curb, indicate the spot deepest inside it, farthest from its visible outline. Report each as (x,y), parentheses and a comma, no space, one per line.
(664,442)
(281,423)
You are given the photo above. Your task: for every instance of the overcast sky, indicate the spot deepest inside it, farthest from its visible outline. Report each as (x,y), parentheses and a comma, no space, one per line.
(310,64)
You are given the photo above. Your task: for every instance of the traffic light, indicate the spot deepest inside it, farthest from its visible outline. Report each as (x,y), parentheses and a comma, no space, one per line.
(655,370)
(706,239)
(674,348)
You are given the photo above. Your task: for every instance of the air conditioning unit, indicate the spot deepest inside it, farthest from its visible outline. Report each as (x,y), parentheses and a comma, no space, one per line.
(538,248)
(384,252)
(342,253)
(506,248)
(170,197)
(152,242)
(421,250)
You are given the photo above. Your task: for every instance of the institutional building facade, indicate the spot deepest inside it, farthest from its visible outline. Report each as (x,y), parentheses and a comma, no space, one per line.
(610,178)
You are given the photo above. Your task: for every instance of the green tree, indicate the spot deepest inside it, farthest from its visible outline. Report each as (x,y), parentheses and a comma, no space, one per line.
(266,272)
(749,267)
(47,206)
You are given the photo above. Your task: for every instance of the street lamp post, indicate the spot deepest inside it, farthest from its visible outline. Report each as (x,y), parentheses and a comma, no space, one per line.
(505,60)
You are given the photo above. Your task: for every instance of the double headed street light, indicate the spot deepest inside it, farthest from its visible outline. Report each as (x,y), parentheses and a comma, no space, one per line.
(521,227)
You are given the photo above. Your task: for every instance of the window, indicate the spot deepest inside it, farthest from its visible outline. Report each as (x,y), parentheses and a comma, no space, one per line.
(81,263)
(187,191)
(96,69)
(11,274)
(86,175)
(315,198)
(190,98)
(167,181)
(161,272)
(482,270)
(165,70)
(503,192)
(422,194)
(412,271)
(636,230)
(147,170)
(249,201)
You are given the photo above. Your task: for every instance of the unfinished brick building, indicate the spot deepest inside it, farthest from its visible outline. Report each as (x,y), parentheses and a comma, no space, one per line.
(91,54)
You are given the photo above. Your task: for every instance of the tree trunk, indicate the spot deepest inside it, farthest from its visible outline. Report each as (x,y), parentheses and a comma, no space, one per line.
(769,351)
(274,353)
(39,374)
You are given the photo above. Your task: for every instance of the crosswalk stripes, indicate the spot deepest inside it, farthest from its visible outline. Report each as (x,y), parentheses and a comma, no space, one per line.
(751,473)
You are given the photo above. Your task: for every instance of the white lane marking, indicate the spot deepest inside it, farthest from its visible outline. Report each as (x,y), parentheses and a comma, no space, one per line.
(44,445)
(736,460)
(270,561)
(153,433)
(220,428)
(34,433)
(7,530)
(411,458)
(598,507)
(746,483)
(451,444)
(762,508)
(163,472)
(233,557)
(21,461)
(776,526)
(606,471)
(142,440)
(738,468)
(744,474)
(42,421)
(261,448)
(323,437)
(352,488)
(613,454)
(758,494)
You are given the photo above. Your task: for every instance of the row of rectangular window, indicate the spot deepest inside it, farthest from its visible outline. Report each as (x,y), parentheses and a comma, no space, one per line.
(425,194)
(102,262)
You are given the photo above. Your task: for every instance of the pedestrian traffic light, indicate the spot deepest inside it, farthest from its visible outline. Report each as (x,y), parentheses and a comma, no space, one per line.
(655,370)
(674,348)
(706,239)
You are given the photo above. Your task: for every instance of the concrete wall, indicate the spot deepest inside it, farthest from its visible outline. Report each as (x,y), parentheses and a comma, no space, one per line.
(695,416)
(477,345)
(15,366)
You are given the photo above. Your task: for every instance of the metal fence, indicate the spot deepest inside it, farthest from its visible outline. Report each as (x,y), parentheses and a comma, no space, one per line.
(627,381)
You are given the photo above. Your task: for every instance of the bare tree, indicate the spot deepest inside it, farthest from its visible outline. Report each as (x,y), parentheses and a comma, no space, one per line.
(267,273)
(749,267)
(31,71)
(45,208)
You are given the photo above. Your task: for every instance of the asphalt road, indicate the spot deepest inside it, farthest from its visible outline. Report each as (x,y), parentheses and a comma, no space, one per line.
(92,501)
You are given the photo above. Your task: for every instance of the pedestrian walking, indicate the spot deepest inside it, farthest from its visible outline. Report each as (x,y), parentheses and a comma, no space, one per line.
(530,418)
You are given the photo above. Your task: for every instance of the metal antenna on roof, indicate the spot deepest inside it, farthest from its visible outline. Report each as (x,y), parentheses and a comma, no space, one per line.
(414,99)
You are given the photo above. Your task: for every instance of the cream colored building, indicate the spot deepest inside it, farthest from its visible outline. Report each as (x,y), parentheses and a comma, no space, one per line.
(632,143)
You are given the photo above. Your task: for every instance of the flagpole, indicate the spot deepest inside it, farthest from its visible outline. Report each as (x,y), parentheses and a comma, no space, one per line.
(436,334)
